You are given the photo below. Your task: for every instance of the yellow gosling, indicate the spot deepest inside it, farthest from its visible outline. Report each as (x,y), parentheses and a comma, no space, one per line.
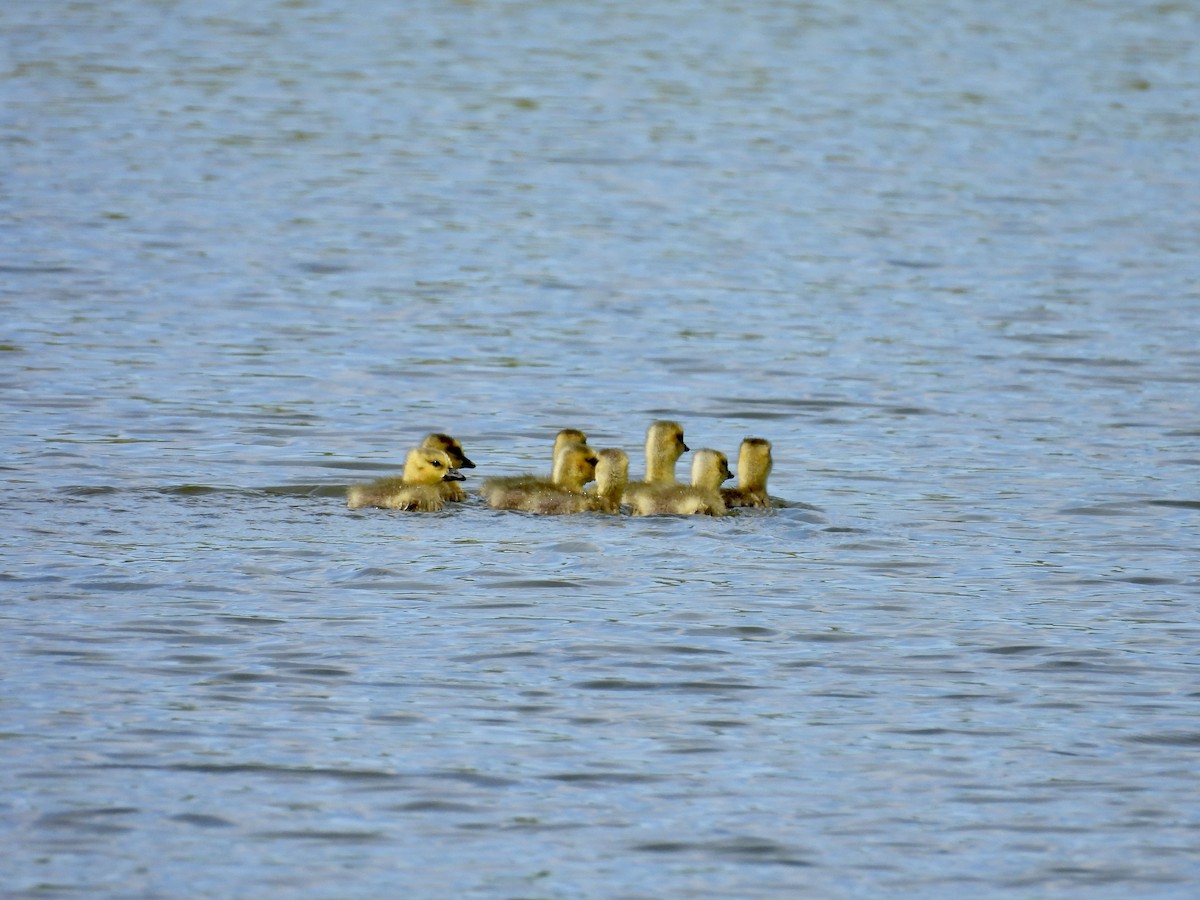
(702,497)
(664,446)
(574,466)
(451,490)
(500,484)
(612,474)
(754,465)
(612,469)
(419,488)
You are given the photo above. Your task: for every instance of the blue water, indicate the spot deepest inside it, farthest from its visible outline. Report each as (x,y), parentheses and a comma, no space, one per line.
(942,257)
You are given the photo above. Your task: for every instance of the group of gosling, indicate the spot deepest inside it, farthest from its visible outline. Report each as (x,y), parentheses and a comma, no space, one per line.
(431,479)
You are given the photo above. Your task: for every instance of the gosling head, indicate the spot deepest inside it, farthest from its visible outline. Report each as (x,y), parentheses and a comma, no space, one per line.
(451,447)
(574,466)
(754,463)
(612,470)
(568,436)
(709,469)
(427,466)
(664,446)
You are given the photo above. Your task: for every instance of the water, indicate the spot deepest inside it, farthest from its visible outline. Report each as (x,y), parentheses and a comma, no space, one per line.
(943,257)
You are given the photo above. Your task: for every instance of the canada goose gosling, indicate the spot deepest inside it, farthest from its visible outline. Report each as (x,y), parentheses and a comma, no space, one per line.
(419,488)
(753,467)
(502,483)
(574,466)
(664,446)
(612,468)
(612,474)
(451,490)
(703,496)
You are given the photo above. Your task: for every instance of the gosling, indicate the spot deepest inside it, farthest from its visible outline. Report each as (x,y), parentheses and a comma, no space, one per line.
(612,470)
(702,497)
(664,446)
(753,467)
(451,490)
(418,489)
(574,467)
(612,474)
(500,484)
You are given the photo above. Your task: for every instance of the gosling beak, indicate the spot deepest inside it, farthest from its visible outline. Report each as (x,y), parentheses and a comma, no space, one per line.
(454,475)
(685,447)
(465,463)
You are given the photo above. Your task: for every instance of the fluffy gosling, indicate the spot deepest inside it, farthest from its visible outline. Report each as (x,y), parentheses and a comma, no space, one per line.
(612,470)
(702,497)
(753,467)
(612,474)
(451,490)
(664,446)
(574,466)
(418,489)
(500,484)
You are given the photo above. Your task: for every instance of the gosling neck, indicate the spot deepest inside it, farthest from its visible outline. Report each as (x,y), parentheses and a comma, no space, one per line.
(661,471)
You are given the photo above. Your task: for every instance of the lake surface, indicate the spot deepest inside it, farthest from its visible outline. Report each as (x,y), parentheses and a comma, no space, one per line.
(942,255)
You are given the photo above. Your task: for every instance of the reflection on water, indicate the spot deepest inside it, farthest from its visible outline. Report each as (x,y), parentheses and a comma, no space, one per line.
(940,257)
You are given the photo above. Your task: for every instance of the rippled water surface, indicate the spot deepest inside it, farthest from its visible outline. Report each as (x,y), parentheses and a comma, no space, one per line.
(943,255)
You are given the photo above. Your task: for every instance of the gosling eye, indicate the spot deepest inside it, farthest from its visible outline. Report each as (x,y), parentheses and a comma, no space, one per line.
(436,464)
